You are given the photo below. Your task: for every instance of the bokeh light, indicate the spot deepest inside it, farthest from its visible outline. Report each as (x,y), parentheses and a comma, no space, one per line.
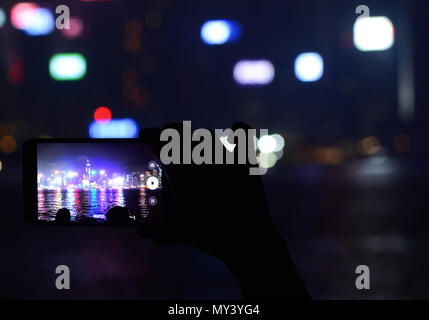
(373,33)
(215,32)
(21,14)
(67,66)
(76,29)
(253,72)
(279,154)
(102,115)
(32,19)
(267,144)
(42,23)
(8,144)
(280,142)
(271,143)
(267,160)
(329,155)
(116,128)
(2,18)
(309,66)
(369,145)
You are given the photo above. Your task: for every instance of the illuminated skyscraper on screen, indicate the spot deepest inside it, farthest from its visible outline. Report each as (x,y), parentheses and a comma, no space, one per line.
(88,167)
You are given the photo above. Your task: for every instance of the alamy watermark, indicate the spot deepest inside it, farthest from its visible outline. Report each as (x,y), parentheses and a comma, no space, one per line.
(63,20)
(363,280)
(202,153)
(62,282)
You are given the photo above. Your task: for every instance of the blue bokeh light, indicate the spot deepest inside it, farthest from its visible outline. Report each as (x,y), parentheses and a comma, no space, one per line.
(2,17)
(309,66)
(116,128)
(216,32)
(42,23)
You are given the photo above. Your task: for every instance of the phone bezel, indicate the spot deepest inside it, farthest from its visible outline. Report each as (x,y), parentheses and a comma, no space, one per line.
(30,191)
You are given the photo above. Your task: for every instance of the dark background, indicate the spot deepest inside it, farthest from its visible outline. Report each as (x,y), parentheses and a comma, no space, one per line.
(335,215)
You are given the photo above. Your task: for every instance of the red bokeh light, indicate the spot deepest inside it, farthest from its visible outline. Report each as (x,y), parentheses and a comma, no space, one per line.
(15,70)
(102,115)
(22,13)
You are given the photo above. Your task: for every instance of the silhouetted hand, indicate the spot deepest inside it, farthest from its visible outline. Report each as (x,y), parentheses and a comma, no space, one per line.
(119,216)
(223,211)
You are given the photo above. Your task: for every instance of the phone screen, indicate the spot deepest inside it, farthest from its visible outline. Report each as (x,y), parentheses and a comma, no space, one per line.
(97,183)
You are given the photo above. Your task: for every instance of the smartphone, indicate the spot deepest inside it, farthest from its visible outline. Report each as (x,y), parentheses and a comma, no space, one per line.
(112,182)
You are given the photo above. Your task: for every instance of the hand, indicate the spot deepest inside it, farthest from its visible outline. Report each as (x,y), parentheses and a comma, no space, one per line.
(223,211)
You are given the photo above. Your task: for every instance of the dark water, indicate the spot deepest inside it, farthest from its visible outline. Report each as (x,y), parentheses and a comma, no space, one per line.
(91,203)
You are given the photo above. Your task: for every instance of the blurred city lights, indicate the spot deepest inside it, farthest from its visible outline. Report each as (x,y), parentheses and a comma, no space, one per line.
(373,33)
(102,115)
(76,29)
(67,66)
(116,128)
(2,17)
(375,166)
(271,144)
(215,32)
(71,174)
(271,150)
(329,155)
(267,160)
(266,144)
(280,142)
(8,144)
(279,154)
(32,19)
(369,145)
(116,182)
(21,14)
(309,66)
(253,72)
(42,23)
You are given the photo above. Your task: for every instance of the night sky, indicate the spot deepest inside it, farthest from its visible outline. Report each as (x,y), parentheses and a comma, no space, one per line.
(119,157)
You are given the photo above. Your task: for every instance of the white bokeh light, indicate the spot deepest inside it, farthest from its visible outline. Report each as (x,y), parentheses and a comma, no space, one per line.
(32,19)
(309,66)
(67,66)
(373,33)
(216,31)
(253,72)
(280,142)
(267,144)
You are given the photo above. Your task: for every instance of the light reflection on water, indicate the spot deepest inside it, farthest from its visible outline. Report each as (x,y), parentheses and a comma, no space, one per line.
(91,203)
